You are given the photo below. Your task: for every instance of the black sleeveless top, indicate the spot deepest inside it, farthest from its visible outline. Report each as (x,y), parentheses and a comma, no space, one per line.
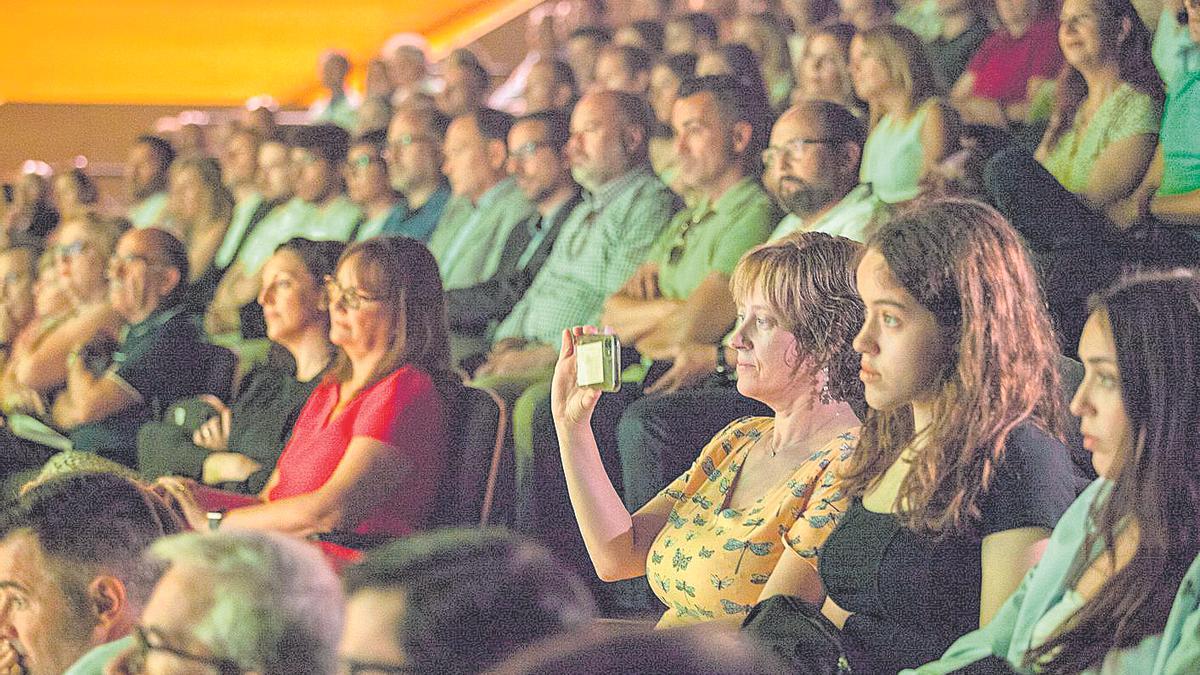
(911,595)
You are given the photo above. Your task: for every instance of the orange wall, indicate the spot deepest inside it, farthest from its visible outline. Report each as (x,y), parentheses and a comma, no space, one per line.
(208,52)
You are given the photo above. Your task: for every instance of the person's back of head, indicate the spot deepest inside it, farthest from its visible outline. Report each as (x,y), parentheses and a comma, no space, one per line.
(469,598)
(71,547)
(253,601)
(706,648)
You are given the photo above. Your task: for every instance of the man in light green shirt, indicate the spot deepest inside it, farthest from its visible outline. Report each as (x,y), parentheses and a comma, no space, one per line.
(681,297)
(487,204)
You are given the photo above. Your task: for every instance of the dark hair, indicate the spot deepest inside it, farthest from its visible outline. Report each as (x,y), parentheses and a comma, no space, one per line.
(472,597)
(636,112)
(702,25)
(963,262)
(556,123)
(404,275)
(635,60)
(175,256)
(596,33)
(320,258)
(376,138)
(808,281)
(493,124)
(467,61)
(328,141)
(1134,66)
(838,124)
(705,648)
(682,65)
(93,523)
(738,102)
(1155,324)
(651,33)
(161,147)
(84,186)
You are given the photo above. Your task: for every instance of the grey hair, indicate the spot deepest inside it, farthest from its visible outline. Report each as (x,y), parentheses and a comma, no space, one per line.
(276,602)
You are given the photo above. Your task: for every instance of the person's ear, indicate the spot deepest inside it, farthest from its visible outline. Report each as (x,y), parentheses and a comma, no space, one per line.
(740,134)
(109,605)
(633,136)
(171,278)
(497,154)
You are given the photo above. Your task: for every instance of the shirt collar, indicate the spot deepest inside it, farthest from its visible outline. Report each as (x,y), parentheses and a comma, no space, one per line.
(605,194)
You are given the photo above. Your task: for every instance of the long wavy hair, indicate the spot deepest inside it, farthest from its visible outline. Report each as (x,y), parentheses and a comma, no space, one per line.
(964,263)
(1133,63)
(404,275)
(1155,323)
(808,281)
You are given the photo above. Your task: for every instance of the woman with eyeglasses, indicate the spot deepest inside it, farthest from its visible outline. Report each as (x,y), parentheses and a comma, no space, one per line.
(237,447)
(368,448)
(1118,589)
(80,253)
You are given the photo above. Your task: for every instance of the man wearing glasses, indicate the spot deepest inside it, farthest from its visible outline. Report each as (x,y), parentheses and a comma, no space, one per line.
(238,602)
(73,578)
(414,164)
(157,361)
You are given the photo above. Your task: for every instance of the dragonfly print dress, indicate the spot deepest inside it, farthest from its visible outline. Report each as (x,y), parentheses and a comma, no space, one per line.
(711,561)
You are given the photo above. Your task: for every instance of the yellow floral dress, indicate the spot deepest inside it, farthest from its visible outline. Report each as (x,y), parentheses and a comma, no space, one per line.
(711,561)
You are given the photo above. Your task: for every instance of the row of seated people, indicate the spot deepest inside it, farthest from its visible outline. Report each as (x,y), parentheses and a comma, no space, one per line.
(596,268)
(941,532)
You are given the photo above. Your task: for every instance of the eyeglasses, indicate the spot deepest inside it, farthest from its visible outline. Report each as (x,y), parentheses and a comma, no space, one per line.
(403,141)
(361,162)
(350,298)
(354,667)
(116,261)
(525,150)
(792,148)
(67,251)
(146,641)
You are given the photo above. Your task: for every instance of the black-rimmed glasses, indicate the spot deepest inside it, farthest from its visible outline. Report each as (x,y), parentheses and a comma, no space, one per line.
(146,641)
(792,148)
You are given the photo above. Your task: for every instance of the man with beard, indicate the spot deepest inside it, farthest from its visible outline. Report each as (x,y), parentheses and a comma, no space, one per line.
(812,171)
(146,172)
(157,361)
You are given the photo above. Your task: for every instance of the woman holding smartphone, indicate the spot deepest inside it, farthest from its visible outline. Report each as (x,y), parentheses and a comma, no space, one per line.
(746,521)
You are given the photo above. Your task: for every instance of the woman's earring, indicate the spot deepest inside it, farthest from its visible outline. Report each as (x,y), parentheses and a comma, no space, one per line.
(826,397)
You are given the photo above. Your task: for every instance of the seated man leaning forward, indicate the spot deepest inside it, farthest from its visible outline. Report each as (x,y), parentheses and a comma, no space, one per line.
(156,362)
(72,577)
(237,602)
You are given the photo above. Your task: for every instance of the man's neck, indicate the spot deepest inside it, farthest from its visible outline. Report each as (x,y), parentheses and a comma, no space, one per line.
(380,205)
(243,191)
(548,205)
(323,203)
(419,195)
(135,317)
(957,22)
(484,190)
(721,185)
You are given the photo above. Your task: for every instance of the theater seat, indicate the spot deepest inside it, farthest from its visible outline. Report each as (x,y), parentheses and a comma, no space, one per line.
(478,427)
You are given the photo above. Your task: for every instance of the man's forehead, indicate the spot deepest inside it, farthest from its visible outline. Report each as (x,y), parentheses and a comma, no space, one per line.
(794,126)
(135,242)
(22,561)
(526,131)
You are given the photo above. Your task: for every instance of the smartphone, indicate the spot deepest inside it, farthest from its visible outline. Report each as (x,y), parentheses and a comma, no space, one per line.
(598,362)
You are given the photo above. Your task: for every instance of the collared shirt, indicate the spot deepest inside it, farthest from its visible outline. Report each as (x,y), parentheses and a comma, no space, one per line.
(374,226)
(711,237)
(239,224)
(468,242)
(281,224)
(158,361)
(853,217)
(600,245)
(419,223)
(149,211)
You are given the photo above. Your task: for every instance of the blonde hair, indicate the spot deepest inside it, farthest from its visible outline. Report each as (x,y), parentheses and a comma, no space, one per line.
(904,56)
